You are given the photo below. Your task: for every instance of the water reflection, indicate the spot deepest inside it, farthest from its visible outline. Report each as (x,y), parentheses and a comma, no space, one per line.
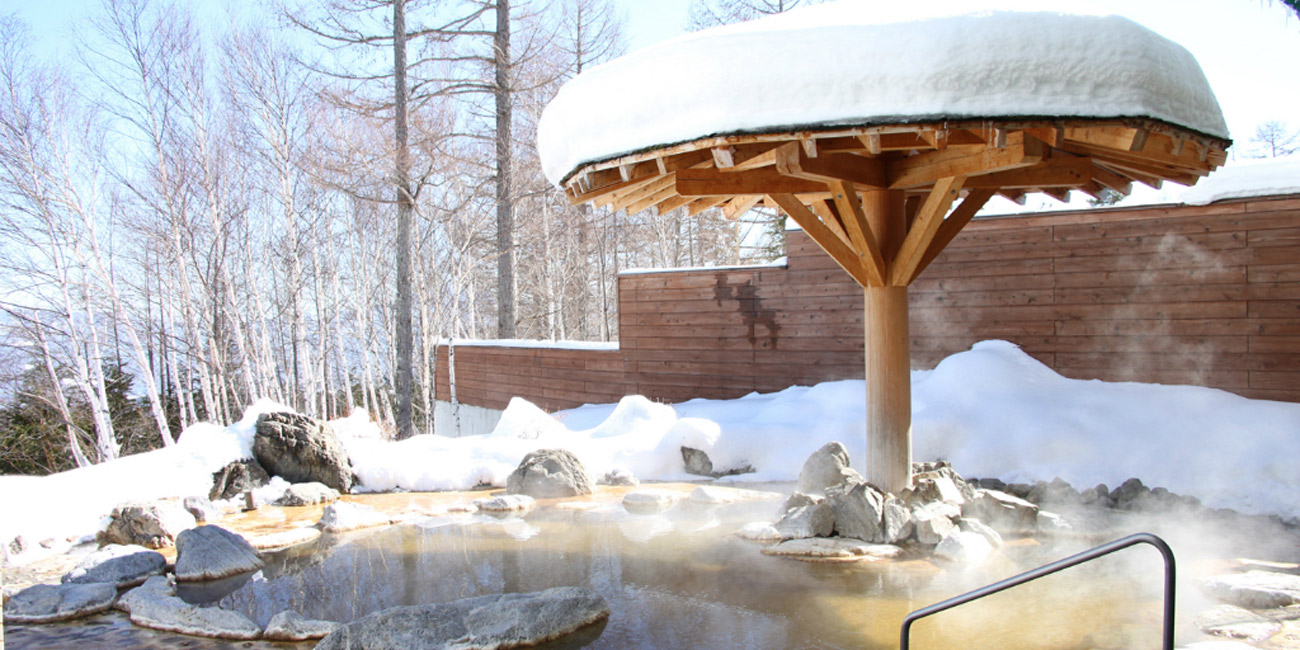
(676,579)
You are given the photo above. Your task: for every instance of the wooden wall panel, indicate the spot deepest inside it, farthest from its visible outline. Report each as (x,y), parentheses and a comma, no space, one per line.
(1206,295)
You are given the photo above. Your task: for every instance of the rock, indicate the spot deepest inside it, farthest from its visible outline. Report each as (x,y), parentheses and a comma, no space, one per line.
(52,603)
(201,508)
(800,500)
(971,525)
(152,525)
(1254,589)
(697,462)
(302,450)
(1098,495)
(496,621)
(307,494)
(17,546)
(291,626)
(833,548)
(759,531)
(934,522)
(120,566)
(935,488)
(651,500)
(155,606)
(858,512)
(549,473)
(813,520)
(284,538)
(212,553)
(989,484)
(896,522)
(237,478)
(1051,523)
(1002,511)
(1129,494)
(964,548)
(342,516)
(506,503)
(620,478)
(827,467)
(1236,623)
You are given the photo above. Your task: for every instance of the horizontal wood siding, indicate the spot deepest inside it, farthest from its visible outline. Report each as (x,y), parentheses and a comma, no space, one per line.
(1171,294)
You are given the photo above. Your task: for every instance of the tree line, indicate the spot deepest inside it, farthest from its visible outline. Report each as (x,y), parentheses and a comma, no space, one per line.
(294,202)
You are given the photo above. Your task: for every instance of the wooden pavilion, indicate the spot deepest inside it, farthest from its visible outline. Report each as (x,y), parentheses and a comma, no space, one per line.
(884,199)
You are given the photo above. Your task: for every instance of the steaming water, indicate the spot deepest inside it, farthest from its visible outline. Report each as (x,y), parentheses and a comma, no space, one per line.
(681,579)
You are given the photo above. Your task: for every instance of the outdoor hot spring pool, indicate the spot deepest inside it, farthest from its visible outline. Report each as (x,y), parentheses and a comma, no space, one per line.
(681,579)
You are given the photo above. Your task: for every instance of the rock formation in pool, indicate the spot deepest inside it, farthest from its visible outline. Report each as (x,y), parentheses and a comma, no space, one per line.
(550,473)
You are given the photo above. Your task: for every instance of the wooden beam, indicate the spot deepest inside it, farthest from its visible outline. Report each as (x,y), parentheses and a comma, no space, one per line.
(837,248)
(1057,171)
(662,192)
(928,219)
(1112,180)
(922,169)
(826,210)
(623,201)
(764,180)
(697,206)
(793,161)
(740,205)
(849,206)
(961,215)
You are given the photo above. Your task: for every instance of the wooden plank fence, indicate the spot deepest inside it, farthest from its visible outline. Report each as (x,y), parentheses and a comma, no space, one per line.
(1170,294)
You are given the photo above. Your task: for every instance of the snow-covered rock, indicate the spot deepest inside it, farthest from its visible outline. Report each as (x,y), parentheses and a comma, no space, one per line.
(506,503)
(118,565)
(833,548)
(307,494)
(651,500)
(1254,589)
(343,516)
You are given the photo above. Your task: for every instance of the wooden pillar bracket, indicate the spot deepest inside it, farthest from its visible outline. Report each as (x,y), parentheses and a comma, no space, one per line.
(864,241)
(906,265)
(840,250)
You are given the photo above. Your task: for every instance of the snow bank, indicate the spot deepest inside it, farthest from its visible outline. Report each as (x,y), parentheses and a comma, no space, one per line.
(72,503)
(870,63)
(993,411)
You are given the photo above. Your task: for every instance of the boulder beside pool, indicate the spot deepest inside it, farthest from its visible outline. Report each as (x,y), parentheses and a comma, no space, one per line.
(54,603)
(212,553)
(487,622)
(550,473)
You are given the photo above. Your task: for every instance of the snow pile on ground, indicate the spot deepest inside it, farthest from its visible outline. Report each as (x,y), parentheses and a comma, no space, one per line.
(993,411)
(873,63)
(73,503)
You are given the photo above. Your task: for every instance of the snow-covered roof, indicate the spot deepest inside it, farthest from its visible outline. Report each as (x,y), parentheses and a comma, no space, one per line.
(860,62)
(1247,179)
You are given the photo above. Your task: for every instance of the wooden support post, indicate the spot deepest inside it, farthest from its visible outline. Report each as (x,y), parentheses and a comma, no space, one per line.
(889,389)
(888,353)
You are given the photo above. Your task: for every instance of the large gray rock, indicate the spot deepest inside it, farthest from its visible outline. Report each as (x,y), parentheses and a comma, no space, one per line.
(152,525)
(212,553)
(154,605)
(1254,589)
(307,494)
(302,450)
(291,626)
(934,522)
(549,473)
(813,520)
(1004,512)
(826,468)
(1236,623)
(120,566)
(238,477)
(53,603)
(896,522)
(859,511)
(488,622)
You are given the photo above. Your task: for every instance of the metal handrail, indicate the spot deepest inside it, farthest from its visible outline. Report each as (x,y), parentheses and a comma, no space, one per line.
(1059,565)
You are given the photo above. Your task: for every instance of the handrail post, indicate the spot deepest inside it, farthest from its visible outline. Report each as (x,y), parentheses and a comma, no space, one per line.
(1074,560)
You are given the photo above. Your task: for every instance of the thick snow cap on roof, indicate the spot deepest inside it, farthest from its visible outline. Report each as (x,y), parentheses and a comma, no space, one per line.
(861,62)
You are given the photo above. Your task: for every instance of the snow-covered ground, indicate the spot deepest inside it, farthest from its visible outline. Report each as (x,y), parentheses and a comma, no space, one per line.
(993,411)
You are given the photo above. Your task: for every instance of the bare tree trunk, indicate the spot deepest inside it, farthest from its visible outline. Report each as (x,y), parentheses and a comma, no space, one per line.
(405,205)
(61,401)
(504,198)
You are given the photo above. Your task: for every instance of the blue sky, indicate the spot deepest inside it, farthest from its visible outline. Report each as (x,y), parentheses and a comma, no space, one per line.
(1247,48)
